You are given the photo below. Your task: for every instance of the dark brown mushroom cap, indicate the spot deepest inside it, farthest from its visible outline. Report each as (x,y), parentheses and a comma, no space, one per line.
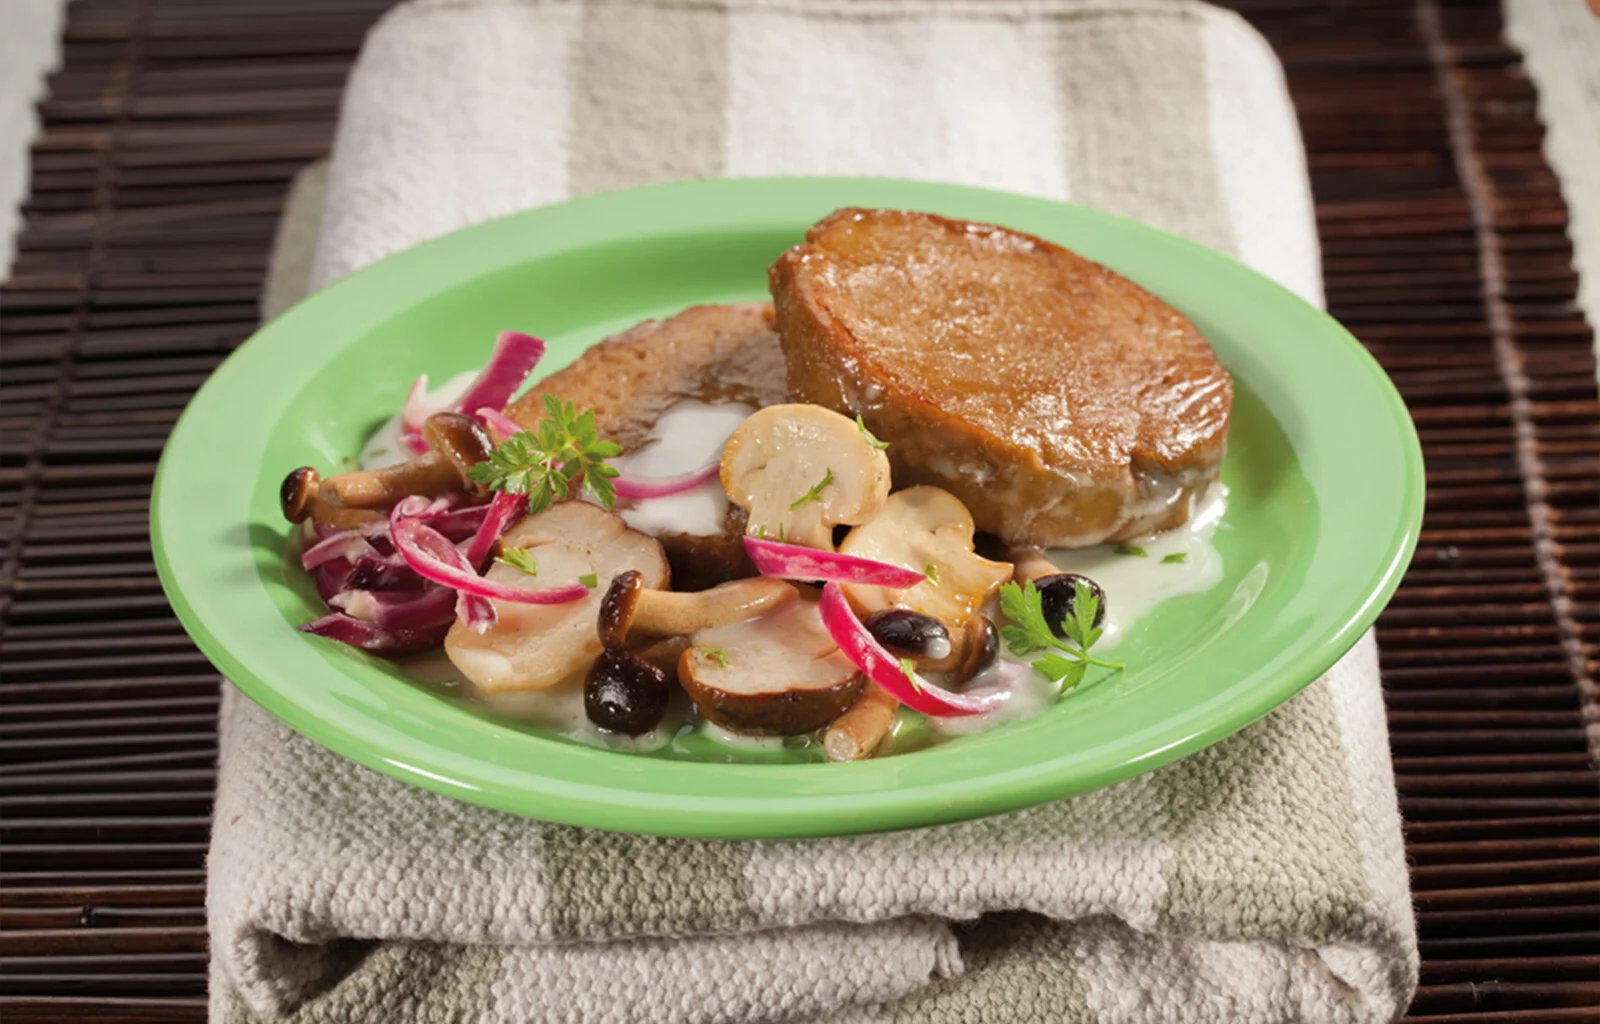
(460,439)
(298,492)
(617,608)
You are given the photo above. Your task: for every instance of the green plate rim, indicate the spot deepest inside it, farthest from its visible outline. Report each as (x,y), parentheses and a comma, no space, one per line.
(811,807)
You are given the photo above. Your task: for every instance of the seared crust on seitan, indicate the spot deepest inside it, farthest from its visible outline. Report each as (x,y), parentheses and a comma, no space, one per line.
(1061,402)
(716,354)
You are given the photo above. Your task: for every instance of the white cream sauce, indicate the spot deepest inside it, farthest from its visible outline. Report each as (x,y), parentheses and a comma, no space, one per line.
(1134,585)
(690,434)
(384,447)
(561,708)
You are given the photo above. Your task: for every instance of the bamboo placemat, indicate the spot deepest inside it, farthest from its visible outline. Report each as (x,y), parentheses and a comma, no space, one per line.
(170,135)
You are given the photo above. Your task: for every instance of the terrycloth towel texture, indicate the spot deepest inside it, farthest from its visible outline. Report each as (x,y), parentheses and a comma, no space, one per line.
(1262,880)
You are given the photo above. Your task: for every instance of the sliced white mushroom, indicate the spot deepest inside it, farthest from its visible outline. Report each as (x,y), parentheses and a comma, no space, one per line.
(535,647)
(800,470)
(781,674)
(929,530)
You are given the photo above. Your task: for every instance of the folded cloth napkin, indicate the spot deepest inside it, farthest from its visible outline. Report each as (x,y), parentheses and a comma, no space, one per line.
(1260,880)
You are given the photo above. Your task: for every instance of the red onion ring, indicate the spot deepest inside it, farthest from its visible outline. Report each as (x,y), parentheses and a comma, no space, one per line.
(867,655)
(514,357)
(639,487)
(504,509)
(498,423)
(797,562)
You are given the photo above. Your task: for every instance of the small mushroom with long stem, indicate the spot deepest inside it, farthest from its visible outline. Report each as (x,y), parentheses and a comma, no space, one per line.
(1057,590)
(631,607)
(858,733)
(959,655)
(627,691)
(456,444)
(300,501)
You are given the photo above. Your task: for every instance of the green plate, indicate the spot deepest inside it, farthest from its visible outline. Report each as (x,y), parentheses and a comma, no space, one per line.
(1324,470)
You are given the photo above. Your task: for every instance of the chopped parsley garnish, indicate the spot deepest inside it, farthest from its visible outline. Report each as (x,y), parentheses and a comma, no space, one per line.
(1028,632)
(1175,557)
(590,580)
(1129,549)
(815,494)
(909,667)
(547,463)
(932,572)
(866,434)
(520,560)
(717,655)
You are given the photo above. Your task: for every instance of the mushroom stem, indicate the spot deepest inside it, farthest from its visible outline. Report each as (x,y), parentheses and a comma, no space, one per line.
(668,613)
(324,514)
(300,501)
(664,654)
(1030,564)
(462,441)
(430,474)
(973,648)
(854,735)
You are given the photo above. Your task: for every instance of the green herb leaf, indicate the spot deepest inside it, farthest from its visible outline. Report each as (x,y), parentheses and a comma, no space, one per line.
(1175,557)
(1028,632)
(761,532)
(1064,672)
(867,434)
(1079,626)
(909,667)
(1129,549)
(932,572)
(717,655)
(562,453)
(815,494)
(590,580)
(520,560)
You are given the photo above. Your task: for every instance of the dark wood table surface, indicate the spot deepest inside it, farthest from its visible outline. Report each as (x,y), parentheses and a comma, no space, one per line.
(171,132)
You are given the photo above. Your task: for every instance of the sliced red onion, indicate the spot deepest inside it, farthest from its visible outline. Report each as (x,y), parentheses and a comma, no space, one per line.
(459,524)
(504,509)
(797,562)
(417,506)
(514,357)
(332,577)
(398,609)
(498,423)
(435,558)
(349,545)
(372,637)
(662,486)
(413,412)
(867,655)
(478,613)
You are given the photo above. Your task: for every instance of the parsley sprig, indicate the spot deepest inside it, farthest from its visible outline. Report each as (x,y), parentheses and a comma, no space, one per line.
(547,463)
(1028,632)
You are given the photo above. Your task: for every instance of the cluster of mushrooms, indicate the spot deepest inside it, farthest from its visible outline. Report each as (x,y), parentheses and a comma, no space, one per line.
(752,653)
